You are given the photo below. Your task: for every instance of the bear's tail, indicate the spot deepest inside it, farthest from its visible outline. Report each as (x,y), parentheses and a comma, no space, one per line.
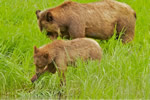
(135,15)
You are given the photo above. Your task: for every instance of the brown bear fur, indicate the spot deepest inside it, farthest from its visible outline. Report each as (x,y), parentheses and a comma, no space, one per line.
(60,53)
(96,20)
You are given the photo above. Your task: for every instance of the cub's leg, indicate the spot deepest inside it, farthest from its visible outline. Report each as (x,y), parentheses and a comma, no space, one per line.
(51,68)
(62,68)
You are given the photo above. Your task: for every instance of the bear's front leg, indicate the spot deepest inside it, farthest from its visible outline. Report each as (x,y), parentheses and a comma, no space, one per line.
(61,74)
(51,68)
(61,66)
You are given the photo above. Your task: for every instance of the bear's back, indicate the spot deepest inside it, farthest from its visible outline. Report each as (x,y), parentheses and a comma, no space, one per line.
(83,47)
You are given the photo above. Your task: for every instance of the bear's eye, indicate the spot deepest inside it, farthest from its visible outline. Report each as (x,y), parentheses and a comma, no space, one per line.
(49,17)
(45,56)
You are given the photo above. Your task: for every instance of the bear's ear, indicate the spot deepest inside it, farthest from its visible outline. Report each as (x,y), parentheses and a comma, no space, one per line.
(46,55)
(35,49)
(49,17)
(37,13)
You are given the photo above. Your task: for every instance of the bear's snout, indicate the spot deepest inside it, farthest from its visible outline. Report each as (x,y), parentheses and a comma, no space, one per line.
(34,78)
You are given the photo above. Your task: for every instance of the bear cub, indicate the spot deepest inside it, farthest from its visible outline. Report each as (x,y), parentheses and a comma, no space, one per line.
(60,53)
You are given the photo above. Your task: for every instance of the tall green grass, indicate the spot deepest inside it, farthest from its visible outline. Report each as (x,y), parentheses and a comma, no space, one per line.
(124,71)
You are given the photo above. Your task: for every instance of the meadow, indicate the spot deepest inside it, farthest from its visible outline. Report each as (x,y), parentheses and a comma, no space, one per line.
(124,72)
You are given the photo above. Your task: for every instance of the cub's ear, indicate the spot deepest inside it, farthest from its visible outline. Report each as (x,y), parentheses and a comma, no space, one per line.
(49,17)
(46,56)
(37,13)
(35,49)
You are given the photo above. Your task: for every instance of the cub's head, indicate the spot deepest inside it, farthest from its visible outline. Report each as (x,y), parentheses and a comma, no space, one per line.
(41,59)
(47,21)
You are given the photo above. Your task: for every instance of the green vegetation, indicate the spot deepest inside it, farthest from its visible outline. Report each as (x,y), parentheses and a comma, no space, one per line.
(124,71)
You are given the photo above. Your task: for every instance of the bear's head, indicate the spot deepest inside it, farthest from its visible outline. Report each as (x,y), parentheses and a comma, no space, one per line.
(41,59)
(47,21)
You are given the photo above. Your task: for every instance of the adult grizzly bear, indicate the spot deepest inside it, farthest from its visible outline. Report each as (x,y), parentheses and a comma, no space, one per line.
(60,53)
(96,20)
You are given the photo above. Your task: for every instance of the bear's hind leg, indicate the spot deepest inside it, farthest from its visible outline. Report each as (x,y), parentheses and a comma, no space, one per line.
(128,36)
(128,30)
